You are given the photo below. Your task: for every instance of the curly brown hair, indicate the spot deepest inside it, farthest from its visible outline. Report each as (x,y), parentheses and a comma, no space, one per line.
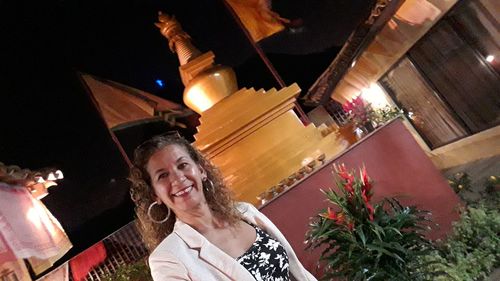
(219,197)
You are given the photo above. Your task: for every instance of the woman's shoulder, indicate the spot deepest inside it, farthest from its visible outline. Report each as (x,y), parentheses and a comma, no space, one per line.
(251,214)
(244,207)
(165,262)
(165,247)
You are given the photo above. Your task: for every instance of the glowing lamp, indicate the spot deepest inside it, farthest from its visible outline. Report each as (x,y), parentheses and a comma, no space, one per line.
(375,96)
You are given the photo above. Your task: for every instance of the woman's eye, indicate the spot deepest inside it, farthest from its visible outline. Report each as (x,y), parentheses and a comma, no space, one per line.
(183,165)
(162,175)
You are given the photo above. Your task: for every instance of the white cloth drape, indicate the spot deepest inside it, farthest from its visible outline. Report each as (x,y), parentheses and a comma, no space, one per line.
(27,227)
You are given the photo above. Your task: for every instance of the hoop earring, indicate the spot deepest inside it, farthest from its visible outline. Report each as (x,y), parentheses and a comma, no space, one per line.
(151,218)
(210,183)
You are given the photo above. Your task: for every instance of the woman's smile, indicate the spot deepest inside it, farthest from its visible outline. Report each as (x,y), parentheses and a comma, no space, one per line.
(183,192)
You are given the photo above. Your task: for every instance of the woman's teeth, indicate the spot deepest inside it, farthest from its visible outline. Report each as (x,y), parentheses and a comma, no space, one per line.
(184,191)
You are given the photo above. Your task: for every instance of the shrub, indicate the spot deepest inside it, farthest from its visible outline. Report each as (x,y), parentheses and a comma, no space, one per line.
(473,248)
(138,271)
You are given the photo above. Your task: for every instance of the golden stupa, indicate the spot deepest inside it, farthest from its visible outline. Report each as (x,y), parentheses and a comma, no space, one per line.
(253,136)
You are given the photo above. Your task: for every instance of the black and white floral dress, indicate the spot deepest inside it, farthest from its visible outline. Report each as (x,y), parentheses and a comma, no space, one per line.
(266,259)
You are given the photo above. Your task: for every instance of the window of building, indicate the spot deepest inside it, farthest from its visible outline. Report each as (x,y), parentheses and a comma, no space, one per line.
(450,80)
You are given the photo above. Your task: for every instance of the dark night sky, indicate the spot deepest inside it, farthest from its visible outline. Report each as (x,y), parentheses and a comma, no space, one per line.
(48,119)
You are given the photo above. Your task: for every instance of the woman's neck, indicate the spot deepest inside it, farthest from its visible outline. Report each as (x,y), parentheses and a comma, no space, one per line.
(201,219)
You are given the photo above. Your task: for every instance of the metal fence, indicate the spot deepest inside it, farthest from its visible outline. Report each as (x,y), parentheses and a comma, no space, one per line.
(122,247)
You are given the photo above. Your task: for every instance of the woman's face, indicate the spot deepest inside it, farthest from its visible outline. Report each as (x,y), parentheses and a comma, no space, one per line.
(176,178)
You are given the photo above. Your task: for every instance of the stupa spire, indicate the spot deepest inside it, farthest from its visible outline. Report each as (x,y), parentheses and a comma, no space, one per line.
(206,82)
(178,40)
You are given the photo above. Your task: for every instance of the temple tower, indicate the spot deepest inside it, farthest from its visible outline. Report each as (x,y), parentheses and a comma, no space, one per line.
(253,136)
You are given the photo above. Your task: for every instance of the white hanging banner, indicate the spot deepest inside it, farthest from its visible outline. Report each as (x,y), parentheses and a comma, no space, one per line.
(28,228)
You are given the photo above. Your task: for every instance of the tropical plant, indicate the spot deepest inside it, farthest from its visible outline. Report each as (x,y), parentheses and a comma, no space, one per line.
(361,241)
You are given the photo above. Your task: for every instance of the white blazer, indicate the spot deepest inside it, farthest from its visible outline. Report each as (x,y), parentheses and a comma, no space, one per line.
(185,254)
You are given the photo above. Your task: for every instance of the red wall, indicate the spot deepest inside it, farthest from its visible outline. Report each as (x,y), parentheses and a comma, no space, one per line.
(397,165)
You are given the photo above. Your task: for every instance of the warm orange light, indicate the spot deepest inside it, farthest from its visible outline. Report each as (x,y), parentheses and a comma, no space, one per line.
(41,219)
(197,99)
(39,190)
(48,184)
(209,87)
(375,96)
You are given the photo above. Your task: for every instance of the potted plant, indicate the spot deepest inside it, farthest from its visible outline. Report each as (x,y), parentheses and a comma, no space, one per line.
(361,240)
(360,113)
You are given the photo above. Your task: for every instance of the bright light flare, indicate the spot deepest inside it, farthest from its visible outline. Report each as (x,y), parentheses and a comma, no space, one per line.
(39,217)
(375,96)
(197,98)
(490,58)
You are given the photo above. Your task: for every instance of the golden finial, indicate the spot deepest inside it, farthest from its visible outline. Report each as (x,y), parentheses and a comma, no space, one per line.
(178,40)
(206,83)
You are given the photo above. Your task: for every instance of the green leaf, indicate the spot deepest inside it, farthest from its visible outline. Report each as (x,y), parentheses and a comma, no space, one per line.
(384,251)
(361,234)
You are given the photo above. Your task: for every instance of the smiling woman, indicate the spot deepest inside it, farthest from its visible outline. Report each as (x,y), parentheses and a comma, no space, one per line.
(144,195)
(188,218)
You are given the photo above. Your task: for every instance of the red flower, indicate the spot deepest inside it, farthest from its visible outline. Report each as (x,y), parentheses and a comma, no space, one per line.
(358,110)
(348,187)
(369,207)
(340,168)
(330,214)
(349,184)
(346,176)
(358,101)
(365,179)
(340,218)
(347,107)
(367,186)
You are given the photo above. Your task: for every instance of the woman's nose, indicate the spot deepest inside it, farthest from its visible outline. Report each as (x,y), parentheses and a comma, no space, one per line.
(177,177)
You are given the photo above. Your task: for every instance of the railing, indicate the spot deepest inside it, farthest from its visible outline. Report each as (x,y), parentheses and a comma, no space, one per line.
(122,247)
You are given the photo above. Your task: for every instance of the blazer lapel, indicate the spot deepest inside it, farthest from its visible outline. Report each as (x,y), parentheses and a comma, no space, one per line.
(212,254)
